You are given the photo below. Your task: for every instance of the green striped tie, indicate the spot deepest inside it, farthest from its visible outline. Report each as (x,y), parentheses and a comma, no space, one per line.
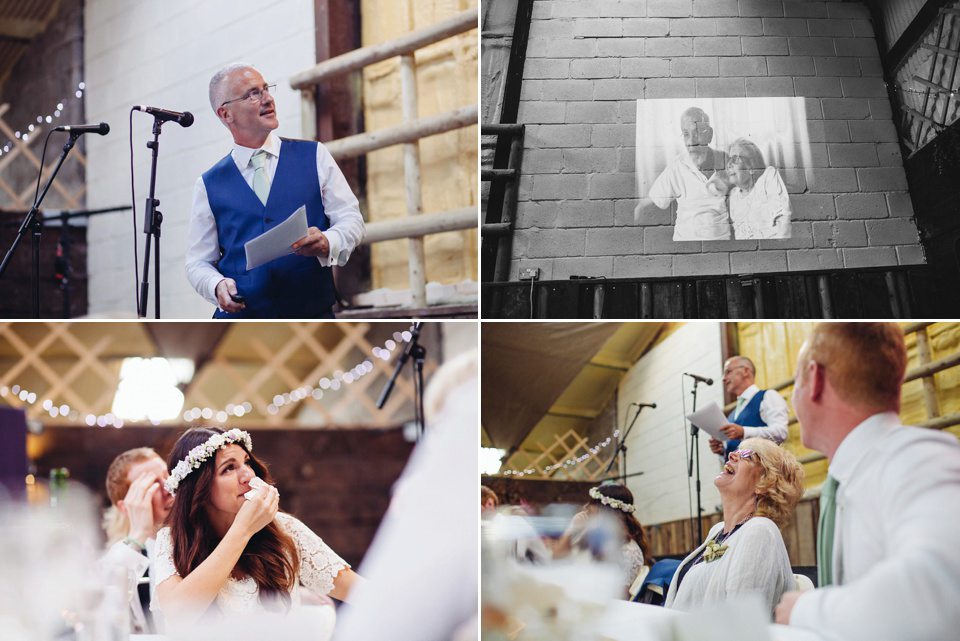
(261,186)
(828,517)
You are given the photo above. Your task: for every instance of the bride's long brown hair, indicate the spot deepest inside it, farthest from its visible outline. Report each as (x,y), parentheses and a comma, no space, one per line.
(270,556)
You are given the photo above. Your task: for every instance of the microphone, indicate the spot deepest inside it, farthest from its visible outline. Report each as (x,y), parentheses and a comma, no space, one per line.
(706,381)
(184,119)
(650,405)
(103,129)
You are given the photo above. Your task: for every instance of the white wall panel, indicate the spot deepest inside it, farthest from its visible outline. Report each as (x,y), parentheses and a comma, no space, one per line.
(658,444)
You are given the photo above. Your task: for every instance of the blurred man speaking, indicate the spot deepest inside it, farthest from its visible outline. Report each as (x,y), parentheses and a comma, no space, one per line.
(257,186)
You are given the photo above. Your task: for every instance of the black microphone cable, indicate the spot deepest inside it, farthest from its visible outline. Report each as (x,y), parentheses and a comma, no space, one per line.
(133,203)
(43,155)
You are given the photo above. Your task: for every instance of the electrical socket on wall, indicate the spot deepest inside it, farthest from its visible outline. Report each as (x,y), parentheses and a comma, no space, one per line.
(530,274)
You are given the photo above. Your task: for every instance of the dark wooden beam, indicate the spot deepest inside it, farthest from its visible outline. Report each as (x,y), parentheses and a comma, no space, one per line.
(907,42)
(21,29)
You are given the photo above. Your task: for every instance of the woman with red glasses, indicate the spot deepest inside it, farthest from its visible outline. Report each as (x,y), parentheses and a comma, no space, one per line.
(744,554)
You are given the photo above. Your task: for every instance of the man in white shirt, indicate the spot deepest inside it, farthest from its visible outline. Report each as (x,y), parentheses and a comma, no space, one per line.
(754,417)
(140,504)
(697,181)
(255,188)
(890,568)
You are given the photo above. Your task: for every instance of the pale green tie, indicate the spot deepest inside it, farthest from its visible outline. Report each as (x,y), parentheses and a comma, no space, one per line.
(740,404)
(261,185)
(828,513)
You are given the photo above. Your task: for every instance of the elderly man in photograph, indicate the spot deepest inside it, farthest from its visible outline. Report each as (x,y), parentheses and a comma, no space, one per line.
(697,181)
(890,506)
(759,413)
(257,186)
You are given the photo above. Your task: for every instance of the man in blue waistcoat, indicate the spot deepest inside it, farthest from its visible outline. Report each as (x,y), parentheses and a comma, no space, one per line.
(759,413)
(254,188)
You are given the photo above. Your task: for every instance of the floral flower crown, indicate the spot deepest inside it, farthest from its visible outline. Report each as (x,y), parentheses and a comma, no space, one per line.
(616,504)
(201,453)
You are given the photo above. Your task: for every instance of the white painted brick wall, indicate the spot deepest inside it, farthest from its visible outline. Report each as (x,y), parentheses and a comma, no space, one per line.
(656,445)
(588,61)
(163,54)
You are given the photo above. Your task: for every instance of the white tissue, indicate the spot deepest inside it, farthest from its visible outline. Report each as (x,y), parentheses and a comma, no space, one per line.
(256,483)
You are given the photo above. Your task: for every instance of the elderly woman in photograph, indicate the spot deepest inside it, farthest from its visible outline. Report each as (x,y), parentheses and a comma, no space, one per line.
(759,202)
(744,554)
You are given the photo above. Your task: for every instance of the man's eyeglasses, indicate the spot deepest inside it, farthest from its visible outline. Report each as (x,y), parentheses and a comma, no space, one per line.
(732,369)
(254,95)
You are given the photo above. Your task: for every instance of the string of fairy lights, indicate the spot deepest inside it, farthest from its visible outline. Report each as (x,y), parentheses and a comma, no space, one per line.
(570,462)
(924,92)
(326,385)
(24,133)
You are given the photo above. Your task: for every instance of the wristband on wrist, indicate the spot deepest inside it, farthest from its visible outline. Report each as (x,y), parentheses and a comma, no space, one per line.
(130,539)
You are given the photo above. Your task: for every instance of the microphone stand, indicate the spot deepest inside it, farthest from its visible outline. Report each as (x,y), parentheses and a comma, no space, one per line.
(415,349)
(35,224)
(694,442)
(622,448)
(151,227)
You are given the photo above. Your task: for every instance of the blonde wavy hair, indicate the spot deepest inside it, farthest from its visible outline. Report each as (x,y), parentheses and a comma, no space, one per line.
(781,485)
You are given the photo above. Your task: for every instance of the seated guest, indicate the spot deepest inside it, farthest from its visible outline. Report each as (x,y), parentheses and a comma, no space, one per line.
(229,550)
(886,543)
(488,500)
(139,507)
(744,554)
(759,202)
(614,500)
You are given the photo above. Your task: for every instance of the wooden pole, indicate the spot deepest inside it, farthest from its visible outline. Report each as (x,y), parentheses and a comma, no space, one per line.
(404,45)
(454,220)
(411,172)
(359,144)
(929,384)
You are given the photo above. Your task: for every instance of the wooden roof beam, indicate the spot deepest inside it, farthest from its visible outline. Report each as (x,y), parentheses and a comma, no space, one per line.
(21,29)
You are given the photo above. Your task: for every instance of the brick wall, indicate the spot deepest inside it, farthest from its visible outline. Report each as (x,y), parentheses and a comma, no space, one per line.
(589,61)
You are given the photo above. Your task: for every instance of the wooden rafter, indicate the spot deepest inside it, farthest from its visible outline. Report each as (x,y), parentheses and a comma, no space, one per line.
(66,363)
(21,149)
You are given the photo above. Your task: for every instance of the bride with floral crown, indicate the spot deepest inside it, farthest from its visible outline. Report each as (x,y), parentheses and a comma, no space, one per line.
(612,499)
(229,549)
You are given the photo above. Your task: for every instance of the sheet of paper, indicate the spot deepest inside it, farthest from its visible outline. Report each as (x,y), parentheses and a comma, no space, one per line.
(275,243)
(709,419)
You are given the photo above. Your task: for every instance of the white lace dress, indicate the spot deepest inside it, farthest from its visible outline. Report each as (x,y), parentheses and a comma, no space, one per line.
(319,565)
(631,560)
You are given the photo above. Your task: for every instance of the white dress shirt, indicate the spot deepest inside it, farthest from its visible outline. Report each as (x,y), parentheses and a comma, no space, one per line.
(134,564)
(701,210)
(339,204)
(422,565)
(773,411)
(895,553)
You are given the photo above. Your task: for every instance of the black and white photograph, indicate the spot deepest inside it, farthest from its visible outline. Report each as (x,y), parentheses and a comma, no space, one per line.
(718,165)
(719,159)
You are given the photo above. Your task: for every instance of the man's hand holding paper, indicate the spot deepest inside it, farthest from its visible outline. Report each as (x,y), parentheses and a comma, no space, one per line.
(313,244)
(711,420)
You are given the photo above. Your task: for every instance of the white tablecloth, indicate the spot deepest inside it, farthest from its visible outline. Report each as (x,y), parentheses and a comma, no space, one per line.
(626,621)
